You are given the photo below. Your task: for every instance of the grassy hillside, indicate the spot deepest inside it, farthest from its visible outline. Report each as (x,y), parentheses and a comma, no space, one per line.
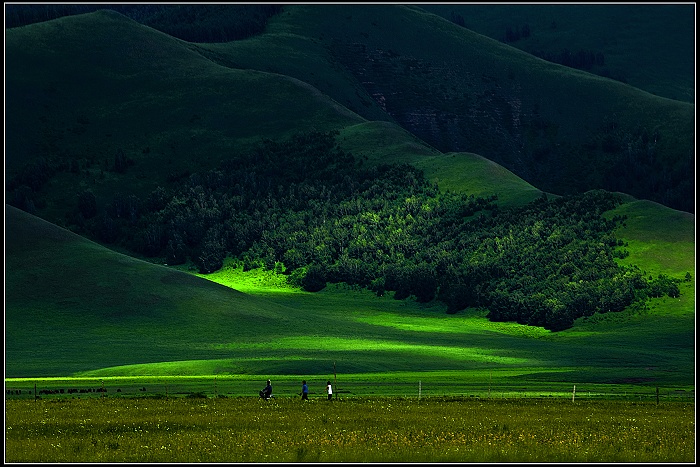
(163,106)
(459,172)
(138,91)
(171,108)
(560,129)
(621,32)
(74,307)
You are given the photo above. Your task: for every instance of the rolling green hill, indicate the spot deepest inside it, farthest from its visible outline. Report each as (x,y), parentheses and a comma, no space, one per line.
(72,305)
(76,308)
(141,93)
(459,172)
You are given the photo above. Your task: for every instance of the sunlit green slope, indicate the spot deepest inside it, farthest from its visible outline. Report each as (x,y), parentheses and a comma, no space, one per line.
(460,172)
(74,307)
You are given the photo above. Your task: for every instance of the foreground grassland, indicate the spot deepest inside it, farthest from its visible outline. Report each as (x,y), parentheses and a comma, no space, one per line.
(347,430)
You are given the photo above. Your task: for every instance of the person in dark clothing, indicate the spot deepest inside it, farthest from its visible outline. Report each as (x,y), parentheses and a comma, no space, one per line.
(304,391)
(267,392)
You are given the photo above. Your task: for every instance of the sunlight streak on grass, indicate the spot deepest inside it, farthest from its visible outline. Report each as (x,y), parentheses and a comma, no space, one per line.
(448,324)
(341,344)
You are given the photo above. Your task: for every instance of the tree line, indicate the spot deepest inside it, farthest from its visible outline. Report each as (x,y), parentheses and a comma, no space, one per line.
(305,208)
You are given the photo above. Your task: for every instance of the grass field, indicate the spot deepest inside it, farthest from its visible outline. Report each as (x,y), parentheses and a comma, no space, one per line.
(372,429)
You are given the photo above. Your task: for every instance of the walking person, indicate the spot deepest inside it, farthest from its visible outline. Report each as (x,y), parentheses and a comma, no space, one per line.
(329,389)
(304,391)
(267,392)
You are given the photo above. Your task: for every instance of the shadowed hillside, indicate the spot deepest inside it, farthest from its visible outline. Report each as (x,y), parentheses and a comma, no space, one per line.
(611,40)
(190,22)
(103,102)
(158,103)
(560,129)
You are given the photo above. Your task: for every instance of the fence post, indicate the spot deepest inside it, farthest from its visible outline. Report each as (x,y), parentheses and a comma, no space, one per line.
(573,394)
(419,388)
(489,384)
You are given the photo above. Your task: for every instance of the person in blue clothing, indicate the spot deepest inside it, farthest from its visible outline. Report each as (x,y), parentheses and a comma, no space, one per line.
(304,391)
(267,392)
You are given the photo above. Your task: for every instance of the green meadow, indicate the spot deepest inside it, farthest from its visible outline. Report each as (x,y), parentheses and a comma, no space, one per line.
(372,429)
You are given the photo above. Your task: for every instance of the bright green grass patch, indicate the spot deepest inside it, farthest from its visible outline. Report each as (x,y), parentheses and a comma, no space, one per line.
(661,257)
(338,344)
(256,281)
(473,174)
(474,321)
(661,241)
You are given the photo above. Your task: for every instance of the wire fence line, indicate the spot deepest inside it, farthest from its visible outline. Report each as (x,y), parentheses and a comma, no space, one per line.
(213,387)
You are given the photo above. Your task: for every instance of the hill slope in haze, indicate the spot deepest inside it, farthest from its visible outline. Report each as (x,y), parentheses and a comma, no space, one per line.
(86,86)
(618,35)
(562,130)
(158,102)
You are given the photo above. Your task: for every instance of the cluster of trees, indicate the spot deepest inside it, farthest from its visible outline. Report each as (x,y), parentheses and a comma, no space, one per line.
(305,208)
(193,22)
(24,188)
